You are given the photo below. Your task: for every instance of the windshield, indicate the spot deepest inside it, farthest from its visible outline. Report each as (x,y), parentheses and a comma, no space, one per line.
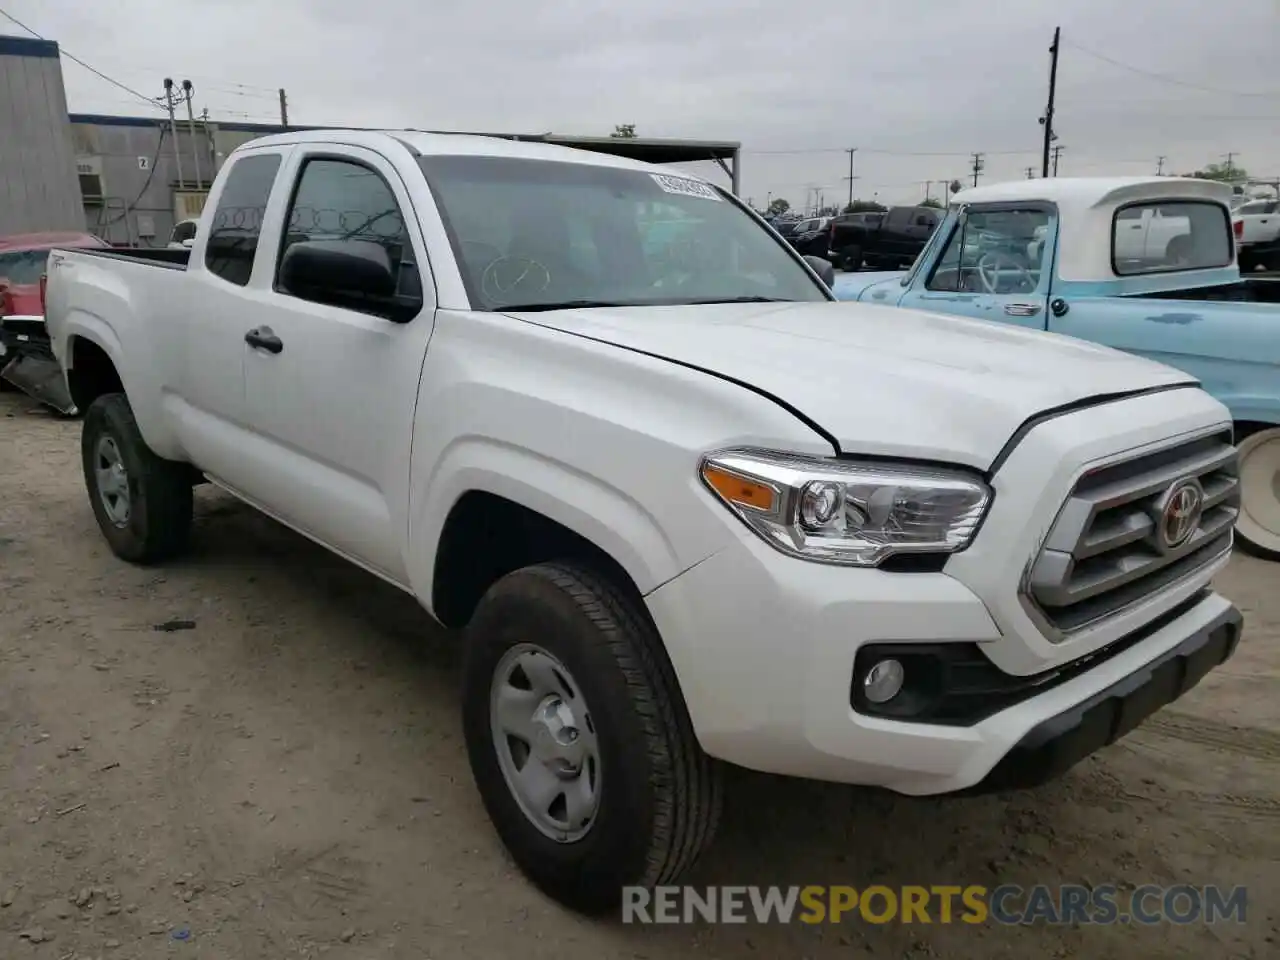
(537,234)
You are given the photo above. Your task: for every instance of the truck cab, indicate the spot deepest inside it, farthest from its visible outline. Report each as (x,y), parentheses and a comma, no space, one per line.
(1146,265)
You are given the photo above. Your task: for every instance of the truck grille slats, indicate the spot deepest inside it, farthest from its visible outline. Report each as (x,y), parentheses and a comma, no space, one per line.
(1120,537)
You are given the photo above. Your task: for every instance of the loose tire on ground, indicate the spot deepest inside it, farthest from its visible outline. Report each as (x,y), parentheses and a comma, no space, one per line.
(659,795)
(1258,527)
(148,519)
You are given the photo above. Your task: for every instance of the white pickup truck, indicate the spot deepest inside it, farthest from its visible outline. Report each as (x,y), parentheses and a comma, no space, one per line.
(687,508)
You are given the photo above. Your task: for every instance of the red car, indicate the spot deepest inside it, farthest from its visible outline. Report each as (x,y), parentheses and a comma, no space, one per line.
(22,334)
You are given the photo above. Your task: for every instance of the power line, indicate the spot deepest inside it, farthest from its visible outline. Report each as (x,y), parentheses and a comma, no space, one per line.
(1164,77)
(141,96)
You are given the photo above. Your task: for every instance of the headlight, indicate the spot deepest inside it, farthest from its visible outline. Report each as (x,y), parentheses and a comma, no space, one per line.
(847,512)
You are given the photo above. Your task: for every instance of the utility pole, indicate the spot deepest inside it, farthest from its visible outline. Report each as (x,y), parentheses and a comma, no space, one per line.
(851,151)
(284,109)
(1160,165)
(189,90)
(1057,152)
(1230,168)
(169,102)
(977,166)
(1047,120)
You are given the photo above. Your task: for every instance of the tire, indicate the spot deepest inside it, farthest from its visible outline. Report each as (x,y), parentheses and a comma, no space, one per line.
(851,260)
(658,795)
(1247,262)
(1258,526)
(155,522)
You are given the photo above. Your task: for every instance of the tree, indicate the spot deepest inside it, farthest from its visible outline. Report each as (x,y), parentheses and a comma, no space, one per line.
(777,207)
(864,206)
(624,131)
(1220,172)
(931,202)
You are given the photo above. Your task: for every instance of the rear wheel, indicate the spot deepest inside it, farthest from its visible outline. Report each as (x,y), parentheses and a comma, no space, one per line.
(142,502)
(579,741)
(1258,527)
(852,259)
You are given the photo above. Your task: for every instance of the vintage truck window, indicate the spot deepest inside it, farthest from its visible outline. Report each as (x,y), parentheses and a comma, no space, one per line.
(994,251)
(1161,237)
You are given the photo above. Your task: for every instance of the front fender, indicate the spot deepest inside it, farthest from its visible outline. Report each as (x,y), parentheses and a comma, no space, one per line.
(600,513)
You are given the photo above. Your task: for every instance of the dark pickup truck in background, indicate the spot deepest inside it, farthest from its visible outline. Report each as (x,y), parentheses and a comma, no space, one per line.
(886,240)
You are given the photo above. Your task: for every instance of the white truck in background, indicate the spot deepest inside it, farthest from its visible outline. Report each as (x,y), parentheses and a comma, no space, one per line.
(687,508)
(1257,229)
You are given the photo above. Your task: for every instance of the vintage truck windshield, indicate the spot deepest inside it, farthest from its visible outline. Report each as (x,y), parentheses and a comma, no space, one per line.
(536,234)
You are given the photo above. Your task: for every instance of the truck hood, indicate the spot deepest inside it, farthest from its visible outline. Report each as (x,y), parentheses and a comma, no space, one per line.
(879,380)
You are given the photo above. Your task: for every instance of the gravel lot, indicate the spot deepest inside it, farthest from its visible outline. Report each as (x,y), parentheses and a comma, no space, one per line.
(259,748)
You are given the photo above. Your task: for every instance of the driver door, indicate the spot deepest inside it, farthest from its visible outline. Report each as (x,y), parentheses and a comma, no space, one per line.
(996,264)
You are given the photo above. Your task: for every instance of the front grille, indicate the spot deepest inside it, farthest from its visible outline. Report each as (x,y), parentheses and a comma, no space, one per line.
(1109,546)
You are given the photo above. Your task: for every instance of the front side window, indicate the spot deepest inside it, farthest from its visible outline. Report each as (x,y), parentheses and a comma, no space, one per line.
(237,221)
(539,234)
(344,200)
(1160,237)
(999,251)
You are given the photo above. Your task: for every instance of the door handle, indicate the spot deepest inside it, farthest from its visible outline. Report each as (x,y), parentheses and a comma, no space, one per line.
(263,339)
(1022,309)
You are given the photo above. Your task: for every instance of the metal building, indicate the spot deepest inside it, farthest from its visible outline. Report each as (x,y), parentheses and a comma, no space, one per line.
(38,185)
(130,179)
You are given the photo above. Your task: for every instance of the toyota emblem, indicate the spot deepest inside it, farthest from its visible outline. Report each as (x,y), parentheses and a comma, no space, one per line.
(1179,515)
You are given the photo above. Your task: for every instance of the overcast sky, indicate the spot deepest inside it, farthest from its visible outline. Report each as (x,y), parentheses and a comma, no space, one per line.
(915,85)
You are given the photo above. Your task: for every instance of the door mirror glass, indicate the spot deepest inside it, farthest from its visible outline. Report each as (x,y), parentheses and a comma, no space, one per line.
(347,273)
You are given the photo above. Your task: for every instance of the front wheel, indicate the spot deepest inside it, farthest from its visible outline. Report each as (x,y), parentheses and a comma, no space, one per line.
(1258,526)
(579,740)
(142,502)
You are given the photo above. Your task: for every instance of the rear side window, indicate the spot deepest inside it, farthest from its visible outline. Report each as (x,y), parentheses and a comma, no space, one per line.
(237,221)
(1159,237)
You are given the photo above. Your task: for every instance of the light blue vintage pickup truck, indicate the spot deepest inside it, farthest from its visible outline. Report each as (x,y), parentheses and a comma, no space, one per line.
(1143,264)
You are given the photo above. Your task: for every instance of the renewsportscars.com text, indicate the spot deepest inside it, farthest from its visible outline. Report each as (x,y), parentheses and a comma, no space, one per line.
(1008,904)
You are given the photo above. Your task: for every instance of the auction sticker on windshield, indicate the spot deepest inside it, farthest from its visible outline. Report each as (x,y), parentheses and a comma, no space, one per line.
(688,188)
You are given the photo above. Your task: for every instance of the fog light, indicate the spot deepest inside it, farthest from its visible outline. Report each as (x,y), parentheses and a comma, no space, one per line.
(883,682)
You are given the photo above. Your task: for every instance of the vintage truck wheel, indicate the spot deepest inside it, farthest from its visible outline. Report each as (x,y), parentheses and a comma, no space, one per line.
(579,740)
(1258,528)
(143,503)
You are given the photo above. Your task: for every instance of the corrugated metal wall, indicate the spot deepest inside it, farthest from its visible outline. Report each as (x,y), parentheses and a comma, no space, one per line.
(39,189)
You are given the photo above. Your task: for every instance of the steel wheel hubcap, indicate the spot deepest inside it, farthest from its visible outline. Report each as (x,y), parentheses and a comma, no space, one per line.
(546,742)
(112,479)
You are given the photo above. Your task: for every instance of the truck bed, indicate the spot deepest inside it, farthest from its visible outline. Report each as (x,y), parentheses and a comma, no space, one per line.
(1250,290)
(160,256)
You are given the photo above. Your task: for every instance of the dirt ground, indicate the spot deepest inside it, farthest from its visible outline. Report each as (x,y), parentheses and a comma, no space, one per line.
(255,754)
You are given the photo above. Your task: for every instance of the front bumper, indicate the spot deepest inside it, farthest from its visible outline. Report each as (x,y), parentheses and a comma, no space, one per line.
(764,648)
(1055,745)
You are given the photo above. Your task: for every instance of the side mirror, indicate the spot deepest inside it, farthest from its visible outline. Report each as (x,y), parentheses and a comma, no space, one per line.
(356,274)
(823,268)
(189,243)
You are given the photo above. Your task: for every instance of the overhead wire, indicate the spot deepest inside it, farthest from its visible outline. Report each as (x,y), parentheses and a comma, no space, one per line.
(151,101)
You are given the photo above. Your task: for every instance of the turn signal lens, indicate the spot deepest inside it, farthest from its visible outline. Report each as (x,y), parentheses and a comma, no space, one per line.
(739,490)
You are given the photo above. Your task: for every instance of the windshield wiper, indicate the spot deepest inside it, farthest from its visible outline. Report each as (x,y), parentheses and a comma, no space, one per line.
(740,300)
(565,305)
